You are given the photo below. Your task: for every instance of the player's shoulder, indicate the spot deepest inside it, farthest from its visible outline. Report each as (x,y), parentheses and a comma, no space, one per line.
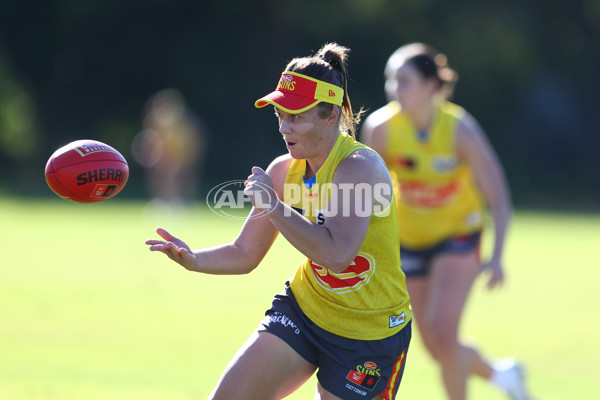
(467,125)
(375,127)
(453,109)
(363,164)
(278,169)
(381,116)
(470,136)
(281,163)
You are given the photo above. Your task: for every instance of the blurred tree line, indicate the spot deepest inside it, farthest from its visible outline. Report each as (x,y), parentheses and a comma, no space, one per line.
(84,69)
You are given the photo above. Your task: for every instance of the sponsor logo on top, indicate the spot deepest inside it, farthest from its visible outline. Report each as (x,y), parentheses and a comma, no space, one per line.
(444,163)
(428,196)
(396,320)
(406,162)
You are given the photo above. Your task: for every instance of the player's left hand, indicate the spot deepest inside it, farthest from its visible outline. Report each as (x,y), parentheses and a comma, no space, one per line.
(259,189)
(496,273)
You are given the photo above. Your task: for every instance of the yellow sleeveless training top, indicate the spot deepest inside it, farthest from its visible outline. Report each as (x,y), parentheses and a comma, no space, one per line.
(368,300)
(436,193)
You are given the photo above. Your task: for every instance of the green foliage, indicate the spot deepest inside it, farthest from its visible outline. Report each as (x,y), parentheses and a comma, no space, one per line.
(89,313)
(18,134)
(84,69)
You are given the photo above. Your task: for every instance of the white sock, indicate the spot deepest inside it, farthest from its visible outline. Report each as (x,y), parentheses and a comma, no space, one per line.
(503,376)
(499,379)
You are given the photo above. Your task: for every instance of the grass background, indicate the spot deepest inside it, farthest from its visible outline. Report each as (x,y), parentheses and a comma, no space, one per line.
(86,311)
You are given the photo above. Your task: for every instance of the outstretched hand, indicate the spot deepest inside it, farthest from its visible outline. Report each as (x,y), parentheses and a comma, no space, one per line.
(496,274)
(176,249)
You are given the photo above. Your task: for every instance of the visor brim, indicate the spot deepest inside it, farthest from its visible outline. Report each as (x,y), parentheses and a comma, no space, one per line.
(287,102)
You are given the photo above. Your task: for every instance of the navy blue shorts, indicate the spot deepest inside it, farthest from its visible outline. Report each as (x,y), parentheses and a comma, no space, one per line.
(350,369)
(418,262)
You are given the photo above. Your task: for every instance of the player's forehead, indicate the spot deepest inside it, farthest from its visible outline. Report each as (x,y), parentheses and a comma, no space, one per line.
(405,69)
(399,66)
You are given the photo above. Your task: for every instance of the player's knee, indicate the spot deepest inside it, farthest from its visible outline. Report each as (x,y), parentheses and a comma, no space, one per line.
(428,341)
(443,340)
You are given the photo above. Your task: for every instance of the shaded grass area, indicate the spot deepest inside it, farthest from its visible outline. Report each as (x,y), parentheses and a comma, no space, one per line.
(87,311)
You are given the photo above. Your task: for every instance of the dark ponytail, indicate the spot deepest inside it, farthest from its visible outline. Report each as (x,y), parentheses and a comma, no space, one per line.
(329,65)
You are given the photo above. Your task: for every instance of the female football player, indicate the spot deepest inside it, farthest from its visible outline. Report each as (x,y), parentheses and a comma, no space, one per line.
(445,173)
(345,313)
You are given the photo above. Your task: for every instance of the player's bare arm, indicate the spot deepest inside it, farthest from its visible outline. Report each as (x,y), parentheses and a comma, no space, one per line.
(336,243)
(240,256)
(473,146)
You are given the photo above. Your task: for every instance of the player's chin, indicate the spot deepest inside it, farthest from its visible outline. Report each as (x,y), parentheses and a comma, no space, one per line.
(296,154)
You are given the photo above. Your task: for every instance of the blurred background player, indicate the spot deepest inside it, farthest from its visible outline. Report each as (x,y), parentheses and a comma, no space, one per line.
(445,172)
(170,148)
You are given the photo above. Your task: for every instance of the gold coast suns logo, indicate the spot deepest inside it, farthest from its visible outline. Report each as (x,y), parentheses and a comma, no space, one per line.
(352,278)
(287,83)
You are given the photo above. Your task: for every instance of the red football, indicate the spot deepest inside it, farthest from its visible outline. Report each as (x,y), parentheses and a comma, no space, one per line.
(86,171)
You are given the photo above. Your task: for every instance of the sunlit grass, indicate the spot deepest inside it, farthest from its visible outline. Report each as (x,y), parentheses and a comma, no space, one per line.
(86,311)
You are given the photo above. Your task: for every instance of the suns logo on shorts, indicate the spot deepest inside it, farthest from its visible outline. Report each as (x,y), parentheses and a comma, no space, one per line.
(352,278)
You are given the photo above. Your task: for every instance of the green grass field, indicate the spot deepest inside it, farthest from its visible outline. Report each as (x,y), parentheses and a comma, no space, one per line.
(87,312)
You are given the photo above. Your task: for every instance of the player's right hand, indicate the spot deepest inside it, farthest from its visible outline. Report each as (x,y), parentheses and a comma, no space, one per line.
(174,248)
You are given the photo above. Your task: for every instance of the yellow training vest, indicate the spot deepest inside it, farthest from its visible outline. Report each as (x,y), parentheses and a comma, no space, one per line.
(368,300)
(436,193)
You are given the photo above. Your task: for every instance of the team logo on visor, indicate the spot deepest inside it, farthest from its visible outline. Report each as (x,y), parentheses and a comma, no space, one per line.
(287,83)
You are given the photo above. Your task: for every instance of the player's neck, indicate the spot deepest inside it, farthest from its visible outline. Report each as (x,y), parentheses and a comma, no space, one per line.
(313,164)
(422,118)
